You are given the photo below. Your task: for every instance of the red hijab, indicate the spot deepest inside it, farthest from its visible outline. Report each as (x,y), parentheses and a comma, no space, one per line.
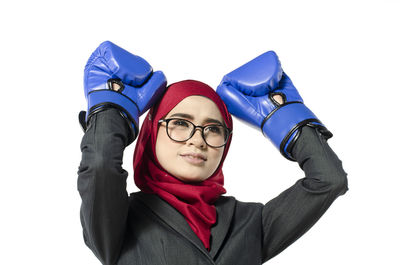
(193,200)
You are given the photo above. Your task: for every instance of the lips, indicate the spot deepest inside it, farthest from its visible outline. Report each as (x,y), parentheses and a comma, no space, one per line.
(195,156)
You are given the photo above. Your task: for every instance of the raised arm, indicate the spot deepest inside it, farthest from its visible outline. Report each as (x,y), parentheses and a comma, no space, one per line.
(289,215)
(261,94)
(119,87)
(102,184)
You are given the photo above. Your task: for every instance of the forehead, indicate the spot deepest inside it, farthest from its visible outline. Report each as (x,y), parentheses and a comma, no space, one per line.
(199,107)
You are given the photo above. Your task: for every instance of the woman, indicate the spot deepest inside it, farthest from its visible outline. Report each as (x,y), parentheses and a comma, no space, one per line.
(180,215)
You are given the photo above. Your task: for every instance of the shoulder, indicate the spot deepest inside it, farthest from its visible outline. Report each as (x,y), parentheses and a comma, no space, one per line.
(240,207)
(231,199)
(240,217)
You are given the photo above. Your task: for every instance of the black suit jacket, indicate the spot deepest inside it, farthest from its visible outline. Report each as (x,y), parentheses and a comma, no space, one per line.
(144,229)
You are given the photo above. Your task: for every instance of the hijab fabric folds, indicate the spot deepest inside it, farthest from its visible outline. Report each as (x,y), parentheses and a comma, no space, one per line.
(193,200)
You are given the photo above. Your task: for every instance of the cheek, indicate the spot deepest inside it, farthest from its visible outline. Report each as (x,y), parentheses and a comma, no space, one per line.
(166,149)
(217,156)
(161,145)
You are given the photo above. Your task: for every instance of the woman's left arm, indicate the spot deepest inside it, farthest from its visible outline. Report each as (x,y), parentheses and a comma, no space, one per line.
(261,94)
(288,216)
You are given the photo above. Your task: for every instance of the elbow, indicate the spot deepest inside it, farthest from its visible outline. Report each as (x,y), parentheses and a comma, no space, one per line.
(98,163)
(336,179)
(108,260)
(339,180)
(336,184)
(340,185)
(96,171)
(104,257)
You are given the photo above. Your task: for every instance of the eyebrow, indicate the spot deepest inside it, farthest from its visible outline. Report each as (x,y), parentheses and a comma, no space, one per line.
(188,116)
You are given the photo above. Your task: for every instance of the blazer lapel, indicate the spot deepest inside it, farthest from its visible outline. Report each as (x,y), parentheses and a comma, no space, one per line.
(172,217)
(225,209)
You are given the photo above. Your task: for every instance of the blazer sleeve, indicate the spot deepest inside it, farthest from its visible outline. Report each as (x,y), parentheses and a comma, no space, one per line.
(288,216)
(102,185)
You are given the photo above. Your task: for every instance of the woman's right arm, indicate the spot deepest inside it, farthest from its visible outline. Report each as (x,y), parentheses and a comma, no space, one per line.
(111,123)
(102,184)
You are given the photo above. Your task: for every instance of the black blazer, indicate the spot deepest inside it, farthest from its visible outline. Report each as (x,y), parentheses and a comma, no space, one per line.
(144,229)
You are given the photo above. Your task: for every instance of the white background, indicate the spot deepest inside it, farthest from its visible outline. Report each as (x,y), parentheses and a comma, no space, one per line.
(343,57)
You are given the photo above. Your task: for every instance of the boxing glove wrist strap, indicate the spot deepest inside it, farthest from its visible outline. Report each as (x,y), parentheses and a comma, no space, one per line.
(99,99)
(282,126)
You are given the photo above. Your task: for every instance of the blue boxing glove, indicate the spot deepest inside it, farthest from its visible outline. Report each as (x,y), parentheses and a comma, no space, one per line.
(113,77)
(249,91)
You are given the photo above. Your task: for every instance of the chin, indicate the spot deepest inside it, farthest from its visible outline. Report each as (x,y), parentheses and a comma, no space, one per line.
(192,179)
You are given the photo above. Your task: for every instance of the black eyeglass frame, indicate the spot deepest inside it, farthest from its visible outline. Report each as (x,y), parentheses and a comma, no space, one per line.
(229,131)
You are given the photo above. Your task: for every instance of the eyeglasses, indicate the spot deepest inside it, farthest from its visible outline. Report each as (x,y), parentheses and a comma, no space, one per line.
(180,130)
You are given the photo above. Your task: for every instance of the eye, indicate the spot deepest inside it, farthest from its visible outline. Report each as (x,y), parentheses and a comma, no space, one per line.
(180,123)
(215,129)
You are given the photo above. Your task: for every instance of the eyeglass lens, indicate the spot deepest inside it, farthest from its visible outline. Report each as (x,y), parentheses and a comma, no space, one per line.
(181,130)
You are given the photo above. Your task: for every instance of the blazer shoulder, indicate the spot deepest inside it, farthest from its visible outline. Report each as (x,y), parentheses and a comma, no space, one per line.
(241,207)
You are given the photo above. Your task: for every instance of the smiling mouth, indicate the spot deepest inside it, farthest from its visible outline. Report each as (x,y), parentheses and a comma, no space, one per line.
(193,160)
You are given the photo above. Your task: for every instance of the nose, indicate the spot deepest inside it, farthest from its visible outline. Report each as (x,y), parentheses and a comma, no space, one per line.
(197,139)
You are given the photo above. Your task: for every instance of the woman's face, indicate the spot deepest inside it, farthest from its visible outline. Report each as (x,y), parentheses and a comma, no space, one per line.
(174,156)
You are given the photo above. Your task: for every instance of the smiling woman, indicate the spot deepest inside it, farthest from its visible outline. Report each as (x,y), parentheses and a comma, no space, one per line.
(180,215)
(193,159)
(187,174)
